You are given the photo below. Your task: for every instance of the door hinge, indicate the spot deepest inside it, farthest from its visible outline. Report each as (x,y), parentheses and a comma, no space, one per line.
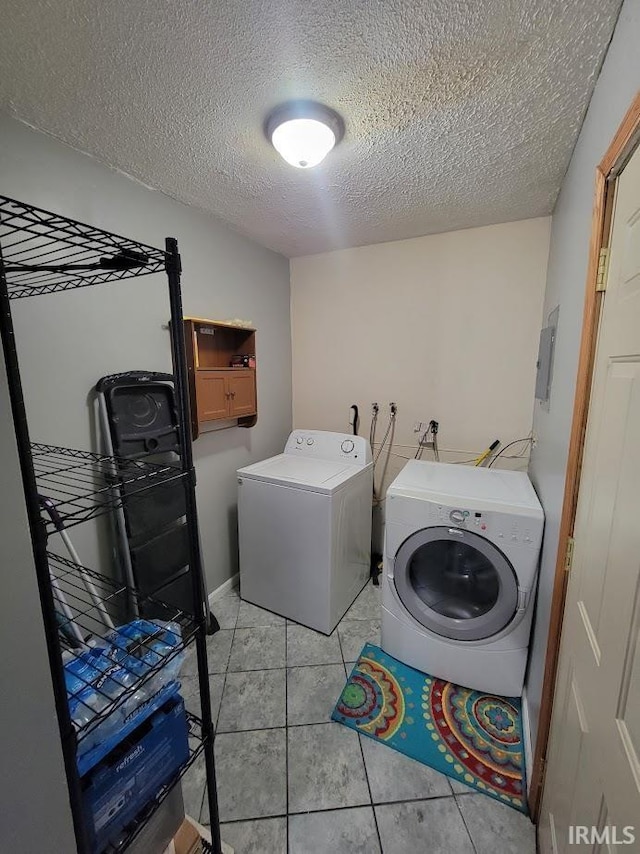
(603,269)
(568,560)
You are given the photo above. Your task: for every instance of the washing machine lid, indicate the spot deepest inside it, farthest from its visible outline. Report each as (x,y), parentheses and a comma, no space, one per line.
(459,485)
(456,583)
(323,476)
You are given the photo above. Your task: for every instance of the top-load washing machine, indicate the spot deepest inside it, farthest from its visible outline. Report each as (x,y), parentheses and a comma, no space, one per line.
(304,520)
(462,546)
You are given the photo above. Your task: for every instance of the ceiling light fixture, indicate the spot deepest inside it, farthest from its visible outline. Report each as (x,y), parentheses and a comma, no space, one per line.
(304,132)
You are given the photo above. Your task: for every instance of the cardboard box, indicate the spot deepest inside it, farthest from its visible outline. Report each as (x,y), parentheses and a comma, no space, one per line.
(186,841)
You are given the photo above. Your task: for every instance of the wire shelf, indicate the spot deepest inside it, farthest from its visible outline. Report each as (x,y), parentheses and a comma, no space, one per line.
(84,612)
(44,252)
(81,485)
(90,607)
(196,747)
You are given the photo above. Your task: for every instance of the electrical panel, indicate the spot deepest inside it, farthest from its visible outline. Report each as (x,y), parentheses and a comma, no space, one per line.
(546,350)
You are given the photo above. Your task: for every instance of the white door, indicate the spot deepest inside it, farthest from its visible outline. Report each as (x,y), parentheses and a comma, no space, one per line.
(593,760)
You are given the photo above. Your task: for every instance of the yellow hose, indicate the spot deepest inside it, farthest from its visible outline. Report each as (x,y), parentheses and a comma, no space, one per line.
(483,456)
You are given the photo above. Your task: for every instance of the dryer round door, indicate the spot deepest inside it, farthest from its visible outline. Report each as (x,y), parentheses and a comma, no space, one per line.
(456,583)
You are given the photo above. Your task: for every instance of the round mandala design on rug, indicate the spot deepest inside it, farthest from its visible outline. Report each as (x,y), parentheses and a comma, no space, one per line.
(483,735)
(497,718)
(373,700)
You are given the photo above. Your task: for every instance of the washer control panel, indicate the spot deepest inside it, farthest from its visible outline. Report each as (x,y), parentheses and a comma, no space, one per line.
(324,445)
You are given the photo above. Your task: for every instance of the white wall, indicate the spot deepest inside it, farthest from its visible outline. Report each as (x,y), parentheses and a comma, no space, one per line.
(68,341)
(446,326)
(615,89)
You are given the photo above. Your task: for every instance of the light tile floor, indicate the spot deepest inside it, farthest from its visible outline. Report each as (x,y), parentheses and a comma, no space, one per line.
(291,781)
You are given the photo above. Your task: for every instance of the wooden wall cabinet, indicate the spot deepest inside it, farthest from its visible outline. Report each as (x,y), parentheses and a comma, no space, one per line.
(217,390)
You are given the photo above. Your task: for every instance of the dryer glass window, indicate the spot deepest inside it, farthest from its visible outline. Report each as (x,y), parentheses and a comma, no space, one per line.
(456,583)
(454,579)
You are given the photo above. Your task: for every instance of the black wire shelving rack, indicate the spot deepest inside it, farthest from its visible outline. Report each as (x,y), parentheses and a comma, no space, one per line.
(82,485)
(45,253)
(81,596)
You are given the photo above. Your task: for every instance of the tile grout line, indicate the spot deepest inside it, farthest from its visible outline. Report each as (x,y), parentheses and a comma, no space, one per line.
(282,667)
(286,727)
(258,669)
(271,728)
(224,685)
(340,809)
(466,827)
(294,625)
(380,804)
(364,764)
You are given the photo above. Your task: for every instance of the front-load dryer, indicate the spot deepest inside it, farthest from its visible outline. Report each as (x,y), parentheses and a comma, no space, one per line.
(462,546)
(304,520)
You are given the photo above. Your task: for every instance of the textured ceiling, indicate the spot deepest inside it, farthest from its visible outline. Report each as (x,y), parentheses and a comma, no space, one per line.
(458,112)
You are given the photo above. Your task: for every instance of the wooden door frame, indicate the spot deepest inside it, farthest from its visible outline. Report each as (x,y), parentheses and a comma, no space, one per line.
(618,153)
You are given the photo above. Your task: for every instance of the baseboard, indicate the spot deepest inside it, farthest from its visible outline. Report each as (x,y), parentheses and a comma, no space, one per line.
(526,735)
(224,588)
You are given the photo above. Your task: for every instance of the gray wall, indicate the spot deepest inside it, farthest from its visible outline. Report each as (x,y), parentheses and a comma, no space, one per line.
(67,341)
(34,805)
(570,232)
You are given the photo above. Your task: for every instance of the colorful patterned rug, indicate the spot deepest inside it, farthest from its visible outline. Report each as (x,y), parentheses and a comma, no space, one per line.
(472,737)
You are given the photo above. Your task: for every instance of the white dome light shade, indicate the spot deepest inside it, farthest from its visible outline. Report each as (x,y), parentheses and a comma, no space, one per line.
(303,142)
(304,132)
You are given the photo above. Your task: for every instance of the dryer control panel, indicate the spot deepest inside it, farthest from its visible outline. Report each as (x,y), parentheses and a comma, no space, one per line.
(324,445)
(497,527)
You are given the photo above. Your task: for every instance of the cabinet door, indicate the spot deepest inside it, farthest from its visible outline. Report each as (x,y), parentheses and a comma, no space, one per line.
(212,395)
(242,391)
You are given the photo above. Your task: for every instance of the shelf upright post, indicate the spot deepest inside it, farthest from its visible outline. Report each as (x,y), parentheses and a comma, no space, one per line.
(38,536)
(174,269)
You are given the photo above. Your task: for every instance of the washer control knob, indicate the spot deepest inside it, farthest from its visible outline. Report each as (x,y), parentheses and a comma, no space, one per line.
(309,441)
(347,446)
(458,517)
(299,440)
